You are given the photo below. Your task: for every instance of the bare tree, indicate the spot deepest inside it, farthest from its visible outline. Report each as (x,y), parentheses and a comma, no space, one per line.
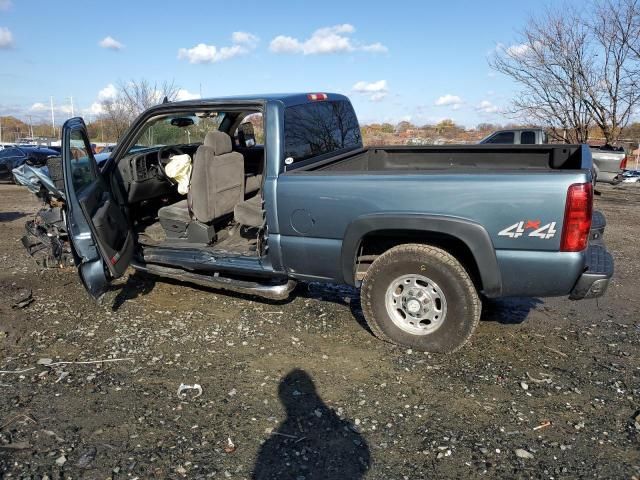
(132,98)
(611,85)
(543,63)
(576,69)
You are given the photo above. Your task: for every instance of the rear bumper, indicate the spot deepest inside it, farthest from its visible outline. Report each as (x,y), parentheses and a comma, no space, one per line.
(609,177)
(594,280)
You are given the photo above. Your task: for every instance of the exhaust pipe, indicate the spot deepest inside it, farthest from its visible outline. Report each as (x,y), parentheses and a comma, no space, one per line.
(279,291)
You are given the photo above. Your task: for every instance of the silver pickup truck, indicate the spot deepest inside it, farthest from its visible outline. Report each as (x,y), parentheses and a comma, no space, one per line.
(608,161)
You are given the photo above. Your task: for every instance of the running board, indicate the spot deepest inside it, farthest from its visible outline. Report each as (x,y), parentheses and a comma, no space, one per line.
(272,292)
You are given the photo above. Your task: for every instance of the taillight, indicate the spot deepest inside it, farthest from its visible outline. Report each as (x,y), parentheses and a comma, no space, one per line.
(317,96)
(577,218)
(623,163)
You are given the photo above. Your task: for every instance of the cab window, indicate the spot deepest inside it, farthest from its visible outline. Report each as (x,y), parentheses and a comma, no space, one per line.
(528,138)
(320,129)
(250,131)
(502,137)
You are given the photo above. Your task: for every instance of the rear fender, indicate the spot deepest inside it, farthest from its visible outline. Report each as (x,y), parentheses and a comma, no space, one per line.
(472,234)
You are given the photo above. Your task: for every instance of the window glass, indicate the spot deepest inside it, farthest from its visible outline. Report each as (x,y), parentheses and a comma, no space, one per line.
(179,129)
(314,129)
(7,152)
(502,137)
(82,164)
(528,138)
(250,132)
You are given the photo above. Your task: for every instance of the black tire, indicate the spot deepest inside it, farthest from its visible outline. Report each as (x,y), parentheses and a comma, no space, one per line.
(462,303)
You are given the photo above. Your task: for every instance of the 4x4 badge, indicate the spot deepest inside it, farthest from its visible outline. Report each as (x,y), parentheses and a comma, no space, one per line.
(519,229)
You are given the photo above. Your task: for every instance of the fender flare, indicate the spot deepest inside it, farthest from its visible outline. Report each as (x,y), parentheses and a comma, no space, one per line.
(472,234)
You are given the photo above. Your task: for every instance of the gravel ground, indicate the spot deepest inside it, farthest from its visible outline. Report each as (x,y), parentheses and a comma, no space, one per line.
(547,388)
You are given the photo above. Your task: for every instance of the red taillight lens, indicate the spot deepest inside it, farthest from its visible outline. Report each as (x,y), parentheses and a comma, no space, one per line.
(317,96)
(577,218)
(623,163)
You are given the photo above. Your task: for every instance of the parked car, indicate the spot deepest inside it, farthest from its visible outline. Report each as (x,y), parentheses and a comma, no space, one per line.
(517,136)
(631,176)
(608,161)
(13,157)
(423,231)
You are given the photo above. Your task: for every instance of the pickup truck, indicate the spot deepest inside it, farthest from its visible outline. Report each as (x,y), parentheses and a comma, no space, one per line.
(608,162)
(282,190)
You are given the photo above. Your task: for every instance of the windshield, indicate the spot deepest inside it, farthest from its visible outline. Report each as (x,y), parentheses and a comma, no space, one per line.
(177,129)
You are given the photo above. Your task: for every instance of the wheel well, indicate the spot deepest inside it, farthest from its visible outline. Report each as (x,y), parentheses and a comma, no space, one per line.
(376,243)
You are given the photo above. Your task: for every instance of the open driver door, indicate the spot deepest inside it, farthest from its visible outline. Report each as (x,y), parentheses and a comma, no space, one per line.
(98,229)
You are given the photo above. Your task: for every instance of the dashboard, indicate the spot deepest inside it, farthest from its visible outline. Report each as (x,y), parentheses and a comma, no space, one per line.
(143,178)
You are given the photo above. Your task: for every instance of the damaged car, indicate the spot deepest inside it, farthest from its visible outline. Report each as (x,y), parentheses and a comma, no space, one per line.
(253,194)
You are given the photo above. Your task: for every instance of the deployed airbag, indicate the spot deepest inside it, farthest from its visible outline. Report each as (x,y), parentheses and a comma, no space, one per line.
(179,168)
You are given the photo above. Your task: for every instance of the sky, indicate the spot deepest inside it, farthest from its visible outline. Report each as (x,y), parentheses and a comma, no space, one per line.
(420,61)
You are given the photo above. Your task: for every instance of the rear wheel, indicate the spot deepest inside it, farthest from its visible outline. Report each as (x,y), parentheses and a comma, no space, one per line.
(420,296)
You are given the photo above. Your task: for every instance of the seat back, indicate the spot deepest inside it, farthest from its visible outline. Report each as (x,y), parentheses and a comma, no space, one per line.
(217,178)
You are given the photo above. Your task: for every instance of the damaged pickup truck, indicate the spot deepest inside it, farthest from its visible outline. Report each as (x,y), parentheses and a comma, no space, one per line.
(279,188)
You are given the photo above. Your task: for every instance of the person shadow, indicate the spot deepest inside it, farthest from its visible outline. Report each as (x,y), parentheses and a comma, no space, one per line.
(313,442)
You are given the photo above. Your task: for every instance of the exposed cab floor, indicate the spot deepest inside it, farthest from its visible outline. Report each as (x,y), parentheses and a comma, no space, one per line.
(232,240)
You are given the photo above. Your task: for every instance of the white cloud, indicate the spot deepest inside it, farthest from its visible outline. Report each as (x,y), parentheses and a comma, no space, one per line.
(66,109)
(6,38)
(184,94)
(486,106)
(5,4)
(245,38)
(519,50)
(243,43)
(107,93)
(96,109)
(449,100)
(362,87)
(377,96)
(39,107)
(284,44)
(374,48)
(334,39)
(203,53)
(376,91)
(111,43)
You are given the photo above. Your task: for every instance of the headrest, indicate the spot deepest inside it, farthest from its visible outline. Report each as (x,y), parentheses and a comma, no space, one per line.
(219,141)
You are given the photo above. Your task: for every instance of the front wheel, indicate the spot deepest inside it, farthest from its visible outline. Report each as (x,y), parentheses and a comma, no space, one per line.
(421,297)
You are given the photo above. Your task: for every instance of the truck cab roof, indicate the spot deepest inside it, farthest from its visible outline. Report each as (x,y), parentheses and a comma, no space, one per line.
(287,99)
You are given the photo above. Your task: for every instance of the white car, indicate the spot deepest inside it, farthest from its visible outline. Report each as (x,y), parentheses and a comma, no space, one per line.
(631,176)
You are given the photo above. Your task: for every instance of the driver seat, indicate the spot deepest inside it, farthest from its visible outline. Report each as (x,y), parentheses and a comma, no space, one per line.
(216,186)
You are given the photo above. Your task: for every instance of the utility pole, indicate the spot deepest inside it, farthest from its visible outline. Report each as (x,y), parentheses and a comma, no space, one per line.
(0,129)
(30,127)
(53,119)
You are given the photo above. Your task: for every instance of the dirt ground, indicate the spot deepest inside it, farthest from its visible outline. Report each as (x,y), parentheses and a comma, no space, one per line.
(547,388)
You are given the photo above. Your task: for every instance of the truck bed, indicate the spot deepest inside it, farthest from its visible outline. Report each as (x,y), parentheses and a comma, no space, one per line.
(461,157)
(493,187)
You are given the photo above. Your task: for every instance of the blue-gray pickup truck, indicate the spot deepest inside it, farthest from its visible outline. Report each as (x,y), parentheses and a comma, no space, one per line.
(254,193)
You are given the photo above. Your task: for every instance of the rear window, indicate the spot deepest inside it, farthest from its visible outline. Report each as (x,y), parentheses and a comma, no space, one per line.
(319,129)
(528,138)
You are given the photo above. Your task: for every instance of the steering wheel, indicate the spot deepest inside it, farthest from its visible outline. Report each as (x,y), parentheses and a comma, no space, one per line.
(164,155)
